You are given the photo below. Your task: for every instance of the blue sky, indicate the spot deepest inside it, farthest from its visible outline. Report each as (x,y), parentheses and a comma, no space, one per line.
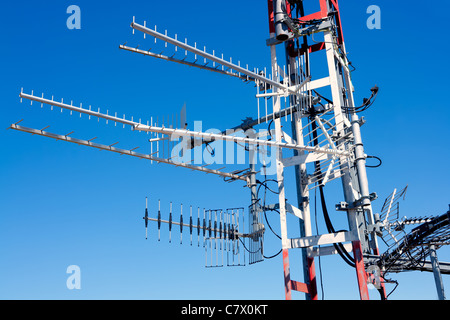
(62,204)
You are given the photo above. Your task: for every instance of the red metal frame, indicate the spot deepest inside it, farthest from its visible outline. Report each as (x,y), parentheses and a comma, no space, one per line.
(312,286)
(383,288)
(323,13)
(289,285)
(271,17)
(361,274)
(287,275)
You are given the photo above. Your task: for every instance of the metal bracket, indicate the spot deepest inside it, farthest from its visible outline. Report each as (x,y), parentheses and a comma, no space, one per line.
(324,239)
(289,208)
(306,31)
(344,206)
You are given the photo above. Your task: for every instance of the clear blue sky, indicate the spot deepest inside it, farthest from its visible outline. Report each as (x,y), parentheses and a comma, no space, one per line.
(62,204)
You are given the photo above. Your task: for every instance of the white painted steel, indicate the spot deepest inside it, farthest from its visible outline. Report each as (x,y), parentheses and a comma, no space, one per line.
(324,239)
(89,143)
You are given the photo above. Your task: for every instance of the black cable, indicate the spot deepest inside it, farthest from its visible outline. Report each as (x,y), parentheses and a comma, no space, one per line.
(262,184)
(366,102)
(338,246)
(270,257)
(381,292)
(268,130)
(246,247)
(265,216)
(375,166)
(301,11)
(322,97)
(396,285)
(268,224)
(317,231)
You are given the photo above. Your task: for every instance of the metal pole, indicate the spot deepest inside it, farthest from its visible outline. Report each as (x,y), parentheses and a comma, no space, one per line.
(279,157)
(437,273)
(254,208)
(354,218)
(183,132)
(302,196)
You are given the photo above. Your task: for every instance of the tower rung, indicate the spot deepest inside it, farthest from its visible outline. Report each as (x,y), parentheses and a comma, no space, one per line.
(305,242)
(299,286)
(328,250)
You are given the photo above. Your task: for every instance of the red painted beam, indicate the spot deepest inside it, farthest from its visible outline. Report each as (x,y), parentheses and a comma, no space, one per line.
(299,286)
(310,288)
(312,16)
(383,288)
(361,274)
(324,8)
(335,3)
(312,279)
(338,21)
(271,16)
(287,275)
(323,13)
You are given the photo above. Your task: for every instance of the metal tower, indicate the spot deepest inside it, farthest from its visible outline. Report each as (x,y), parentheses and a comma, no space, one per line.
(325,144)
(339,124)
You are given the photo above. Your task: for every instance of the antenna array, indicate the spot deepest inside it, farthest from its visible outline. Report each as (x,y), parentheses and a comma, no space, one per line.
(407,249)
(220,232)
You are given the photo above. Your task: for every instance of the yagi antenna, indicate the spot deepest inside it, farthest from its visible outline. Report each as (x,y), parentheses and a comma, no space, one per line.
(222,230)
(130,152)
(184,132)
(208,56)
(184,62)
